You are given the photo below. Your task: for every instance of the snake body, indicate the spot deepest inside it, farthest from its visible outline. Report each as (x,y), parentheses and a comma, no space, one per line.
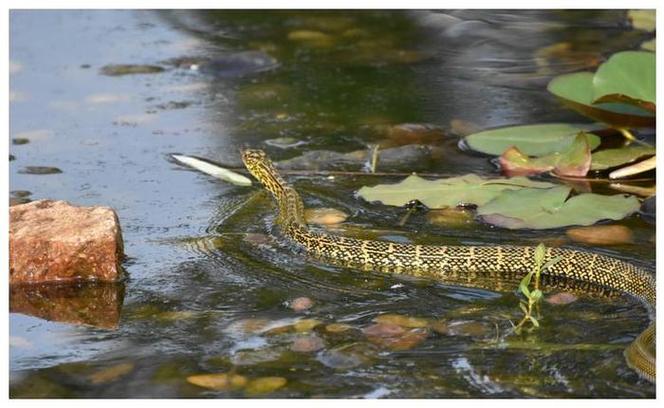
(483,266)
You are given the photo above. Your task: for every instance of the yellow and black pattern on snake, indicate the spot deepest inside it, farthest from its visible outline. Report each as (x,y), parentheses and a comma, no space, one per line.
(465,265)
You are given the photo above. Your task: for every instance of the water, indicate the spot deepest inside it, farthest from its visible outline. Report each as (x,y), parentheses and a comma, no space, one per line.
(208,276)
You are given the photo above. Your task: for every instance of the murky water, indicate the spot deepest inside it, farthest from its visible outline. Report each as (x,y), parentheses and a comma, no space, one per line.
(209,280)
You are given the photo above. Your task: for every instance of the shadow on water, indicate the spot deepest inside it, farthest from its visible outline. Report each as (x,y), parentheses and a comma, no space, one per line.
(213,282)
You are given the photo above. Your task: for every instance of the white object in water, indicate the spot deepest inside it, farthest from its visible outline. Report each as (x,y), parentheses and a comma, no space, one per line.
(213,170)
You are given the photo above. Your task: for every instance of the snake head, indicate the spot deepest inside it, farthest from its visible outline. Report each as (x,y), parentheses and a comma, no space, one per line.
(253,157)
(260,166)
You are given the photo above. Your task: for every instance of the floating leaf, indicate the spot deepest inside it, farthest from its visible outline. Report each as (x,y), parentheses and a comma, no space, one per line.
(606,159)
(449,192)
(573,161)
(212,169)
(531,140)
(542,209)
(514,163)
(642,19)
(649,45)
(627,77)
(576,91)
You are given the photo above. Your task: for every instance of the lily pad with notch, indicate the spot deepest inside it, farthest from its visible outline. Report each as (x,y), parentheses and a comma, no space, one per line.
(553,208)
(532,140)
(627,77)
(577,92)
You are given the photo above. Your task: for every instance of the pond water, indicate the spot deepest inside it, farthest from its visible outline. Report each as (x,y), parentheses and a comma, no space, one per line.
(210,284)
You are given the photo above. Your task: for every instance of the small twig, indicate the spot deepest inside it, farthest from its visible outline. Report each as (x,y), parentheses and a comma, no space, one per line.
(374,158)
(598,180)
(405,217)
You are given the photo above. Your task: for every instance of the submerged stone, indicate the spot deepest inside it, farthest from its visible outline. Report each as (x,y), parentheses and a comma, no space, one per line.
(401,320)
(129,69)
(40,170)
(218,382)
(20,141)
(18,200)
(307,344)
(463,328)
(301,304)
(257,356)
(324,216)
(601,235)
(237,65)
(562,298)
(451,216)
(111,373)
(347,356)
(265,385)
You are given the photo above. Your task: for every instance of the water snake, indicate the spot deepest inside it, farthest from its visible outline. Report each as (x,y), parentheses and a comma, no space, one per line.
(465,265)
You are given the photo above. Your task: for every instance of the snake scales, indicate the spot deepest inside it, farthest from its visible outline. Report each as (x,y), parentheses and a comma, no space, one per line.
(465,265)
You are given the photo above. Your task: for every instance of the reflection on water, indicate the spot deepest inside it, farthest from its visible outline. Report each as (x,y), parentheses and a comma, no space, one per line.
(97,305)
(211,280)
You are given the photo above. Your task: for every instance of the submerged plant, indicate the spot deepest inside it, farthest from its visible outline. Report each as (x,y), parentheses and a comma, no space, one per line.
(533,297)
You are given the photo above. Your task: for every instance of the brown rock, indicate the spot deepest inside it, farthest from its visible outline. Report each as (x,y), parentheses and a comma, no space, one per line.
(55,241)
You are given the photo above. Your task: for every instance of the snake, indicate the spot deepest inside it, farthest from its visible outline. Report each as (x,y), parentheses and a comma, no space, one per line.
(473,266)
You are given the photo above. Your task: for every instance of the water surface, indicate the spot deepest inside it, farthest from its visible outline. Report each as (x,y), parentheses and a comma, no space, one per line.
(204,262)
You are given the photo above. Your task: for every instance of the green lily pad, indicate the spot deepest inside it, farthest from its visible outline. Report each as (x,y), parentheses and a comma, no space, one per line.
(577,92)
(550,208)
(609,158)
(450,192)
(573,161)
(531,140)
(627,77)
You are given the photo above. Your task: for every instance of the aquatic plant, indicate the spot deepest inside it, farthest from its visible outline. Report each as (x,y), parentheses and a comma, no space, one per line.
(534,296)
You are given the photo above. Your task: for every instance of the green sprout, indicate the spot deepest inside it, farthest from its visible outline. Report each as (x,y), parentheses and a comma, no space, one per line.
(533,297)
